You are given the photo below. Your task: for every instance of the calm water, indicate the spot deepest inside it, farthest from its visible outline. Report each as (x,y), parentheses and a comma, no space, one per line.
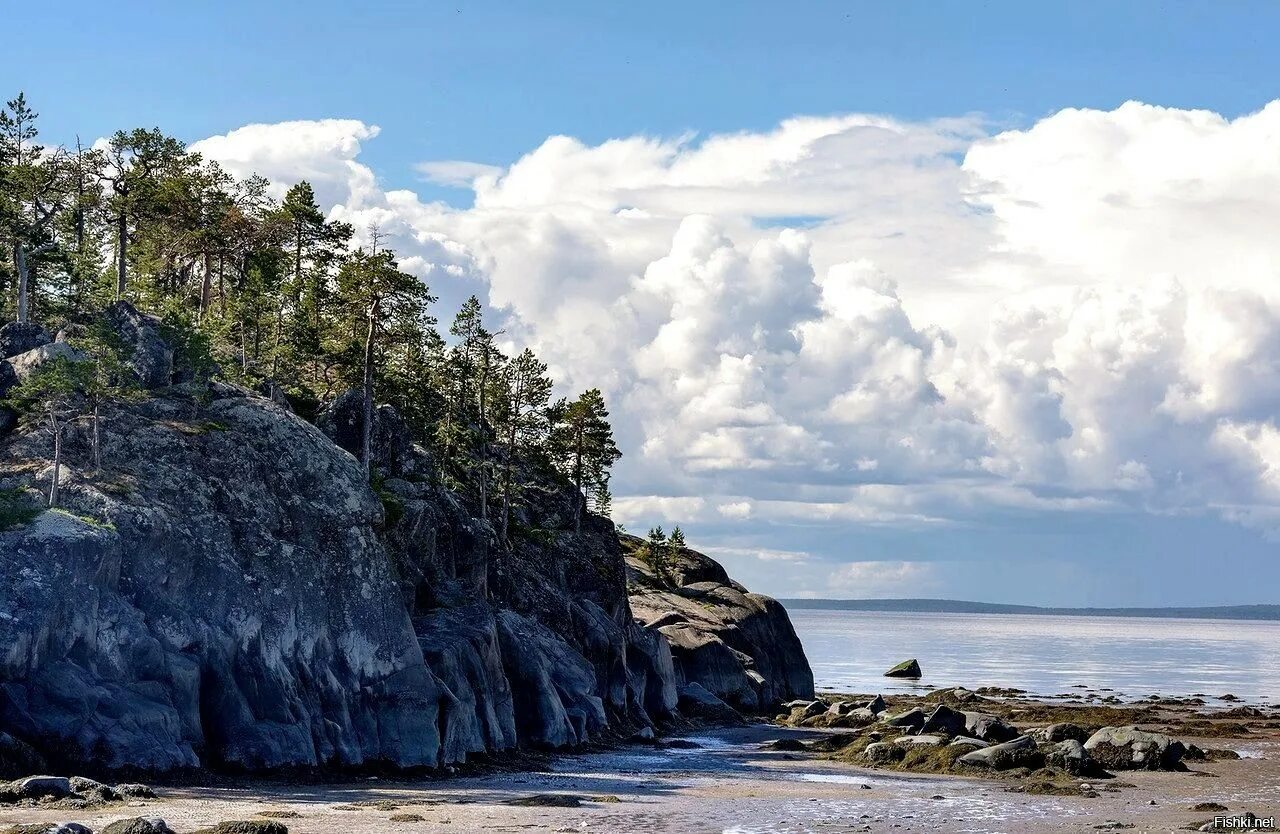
(1135,657)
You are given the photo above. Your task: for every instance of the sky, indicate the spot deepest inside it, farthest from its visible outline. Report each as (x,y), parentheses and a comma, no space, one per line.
(966,300)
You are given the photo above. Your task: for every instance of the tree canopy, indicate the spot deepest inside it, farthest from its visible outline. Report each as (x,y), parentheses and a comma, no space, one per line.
(274,295)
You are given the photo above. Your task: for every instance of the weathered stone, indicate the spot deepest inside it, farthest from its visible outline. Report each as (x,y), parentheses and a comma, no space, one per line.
(390,443)
(17,757)
(150,356)
(18,338)
(35,787)
(944,720)
(1054,733)
(92,790)
(876,705)
(1129,748)
(133,790)
(1021,752)
(882,752)
(913,719)
(971,743)
(138,825)
(988,727)
(246,827)
(239,597)
(905,669)
(24,364)
(920,741)
(697,701)
(738,645)
(1070,756)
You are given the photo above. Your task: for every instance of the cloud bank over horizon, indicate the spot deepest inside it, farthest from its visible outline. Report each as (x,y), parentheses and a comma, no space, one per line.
(860,356)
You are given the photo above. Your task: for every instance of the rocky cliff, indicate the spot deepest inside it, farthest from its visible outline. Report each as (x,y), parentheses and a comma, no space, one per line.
(231,591)
(737,645)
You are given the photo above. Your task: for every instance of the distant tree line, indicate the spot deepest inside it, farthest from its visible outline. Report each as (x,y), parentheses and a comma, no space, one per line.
(275,296)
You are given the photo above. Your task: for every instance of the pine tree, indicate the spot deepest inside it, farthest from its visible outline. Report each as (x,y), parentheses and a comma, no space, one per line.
(582,446)
(53,391)
(33,194)
(371,283)
(657,551)
(522,416)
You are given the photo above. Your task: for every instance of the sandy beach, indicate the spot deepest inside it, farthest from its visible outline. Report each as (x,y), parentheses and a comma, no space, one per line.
(727,784)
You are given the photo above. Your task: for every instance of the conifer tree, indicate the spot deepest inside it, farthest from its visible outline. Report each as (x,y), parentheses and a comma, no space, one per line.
(582,446)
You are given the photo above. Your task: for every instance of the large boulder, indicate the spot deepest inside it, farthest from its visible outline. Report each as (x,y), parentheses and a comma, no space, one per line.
(1129,748)
(36,787)
(1021,752)
(1070,756)
(988,727)
(905,669)
(150,356)
(16,338)
(697,701)
(944,720)
(391,443)
(138,825)
(24,364)
(1055,733)
(912,719)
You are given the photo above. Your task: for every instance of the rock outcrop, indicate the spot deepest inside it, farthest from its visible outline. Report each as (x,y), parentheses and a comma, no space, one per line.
(1129,748)
(231,591)
(737,645)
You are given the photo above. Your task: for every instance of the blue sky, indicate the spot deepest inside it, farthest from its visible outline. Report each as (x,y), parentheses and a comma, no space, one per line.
(925,308)
(487,81)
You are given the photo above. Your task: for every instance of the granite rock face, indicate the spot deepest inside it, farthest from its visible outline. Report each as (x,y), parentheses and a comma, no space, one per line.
(16,338)
(230,592)
(223,599)
(739,646)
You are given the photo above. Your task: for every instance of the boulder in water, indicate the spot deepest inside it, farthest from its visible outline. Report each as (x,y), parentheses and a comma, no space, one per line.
(905,669)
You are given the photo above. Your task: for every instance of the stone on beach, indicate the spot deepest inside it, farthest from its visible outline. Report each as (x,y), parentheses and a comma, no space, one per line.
(1021,752)
(1129,748)
(912,718)
(1070,756)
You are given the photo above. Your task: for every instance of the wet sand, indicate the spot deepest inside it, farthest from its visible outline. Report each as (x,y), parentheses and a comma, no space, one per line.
(729,784)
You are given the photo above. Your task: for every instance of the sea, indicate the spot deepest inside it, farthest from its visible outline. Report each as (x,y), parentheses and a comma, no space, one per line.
(1046,655)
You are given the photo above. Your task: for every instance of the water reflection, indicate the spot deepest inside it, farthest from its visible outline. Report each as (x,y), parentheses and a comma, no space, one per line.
(1046,655)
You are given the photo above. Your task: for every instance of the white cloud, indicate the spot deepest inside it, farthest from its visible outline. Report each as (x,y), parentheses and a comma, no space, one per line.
(1076,317)
(869,580)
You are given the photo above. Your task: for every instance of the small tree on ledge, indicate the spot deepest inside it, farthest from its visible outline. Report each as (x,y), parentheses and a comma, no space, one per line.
(53,391)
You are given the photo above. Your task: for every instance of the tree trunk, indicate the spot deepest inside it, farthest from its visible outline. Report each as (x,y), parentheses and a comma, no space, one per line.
(122,246)
(97,439)
(507,477)
(222,289)
(579,499)
(275,350)
(366,429)
(206,288)
(57,457)
(24,281)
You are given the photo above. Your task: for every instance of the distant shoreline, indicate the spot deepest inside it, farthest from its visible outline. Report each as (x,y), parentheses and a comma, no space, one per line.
(956,606)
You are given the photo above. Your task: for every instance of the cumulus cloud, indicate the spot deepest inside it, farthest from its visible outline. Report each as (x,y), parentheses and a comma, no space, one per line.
(856,320)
